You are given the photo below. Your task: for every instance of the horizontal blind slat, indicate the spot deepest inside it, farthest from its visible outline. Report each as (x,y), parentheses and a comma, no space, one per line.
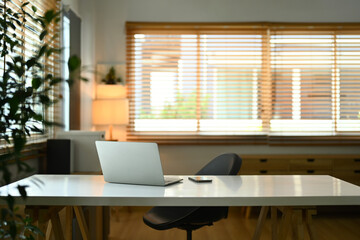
(278,71)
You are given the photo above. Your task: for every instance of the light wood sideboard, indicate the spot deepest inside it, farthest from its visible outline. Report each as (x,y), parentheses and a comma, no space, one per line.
(344,166)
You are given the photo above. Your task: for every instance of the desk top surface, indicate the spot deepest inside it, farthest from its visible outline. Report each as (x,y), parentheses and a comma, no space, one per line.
(257,190)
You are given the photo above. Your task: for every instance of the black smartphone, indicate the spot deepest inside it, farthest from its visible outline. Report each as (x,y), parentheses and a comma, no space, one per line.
(200,179)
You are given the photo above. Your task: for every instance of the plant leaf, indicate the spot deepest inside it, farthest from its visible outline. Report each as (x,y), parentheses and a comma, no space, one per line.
(74,63)
(22,190)
(24,4)
(42,50)
(43,34)
(36,82)
(55,81)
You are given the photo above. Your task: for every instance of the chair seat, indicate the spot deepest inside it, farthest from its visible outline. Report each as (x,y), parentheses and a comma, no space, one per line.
(162,218)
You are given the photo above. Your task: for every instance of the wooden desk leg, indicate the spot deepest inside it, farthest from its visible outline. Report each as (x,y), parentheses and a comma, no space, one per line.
(297,225)
(99,223)
(49,231)
(248,212)
(292,218)
(42,222)
(82,223)
(56,226)
(308,222)
(260,222)
(274,227)
(69,222)
(47,220)
(285,223)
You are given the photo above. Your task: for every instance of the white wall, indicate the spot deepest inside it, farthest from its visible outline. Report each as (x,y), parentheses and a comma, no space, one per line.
(73,4)
(112,14)
(103,41)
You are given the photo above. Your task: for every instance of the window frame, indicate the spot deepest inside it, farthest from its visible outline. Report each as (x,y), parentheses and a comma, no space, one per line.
(266,81)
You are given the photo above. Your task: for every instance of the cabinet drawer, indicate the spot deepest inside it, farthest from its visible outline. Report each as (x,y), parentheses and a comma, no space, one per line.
(310,164)
(311,172)
(348,176)
(263,172)
(263,164)
(347,164)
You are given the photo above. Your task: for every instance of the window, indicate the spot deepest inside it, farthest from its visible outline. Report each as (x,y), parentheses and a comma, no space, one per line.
(29,33)
(65,72)
(316,80)
(71,45)
(212,80)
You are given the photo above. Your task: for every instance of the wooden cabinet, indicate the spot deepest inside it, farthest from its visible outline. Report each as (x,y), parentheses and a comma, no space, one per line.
(264,166)
(310,166)
(346,167)
(346,164)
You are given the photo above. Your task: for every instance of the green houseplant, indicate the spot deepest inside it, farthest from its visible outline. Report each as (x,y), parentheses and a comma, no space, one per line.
(111,77)
(26,92)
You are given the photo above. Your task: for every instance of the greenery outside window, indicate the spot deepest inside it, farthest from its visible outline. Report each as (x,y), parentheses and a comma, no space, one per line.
(253,81)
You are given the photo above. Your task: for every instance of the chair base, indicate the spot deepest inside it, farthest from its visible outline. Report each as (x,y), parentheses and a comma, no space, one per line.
(188,234)
(189,228)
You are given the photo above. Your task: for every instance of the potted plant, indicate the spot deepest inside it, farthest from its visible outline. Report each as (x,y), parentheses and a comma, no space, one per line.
(26,85)
(111,77)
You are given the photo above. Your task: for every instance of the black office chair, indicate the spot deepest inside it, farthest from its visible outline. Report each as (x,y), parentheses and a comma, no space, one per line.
(192,218)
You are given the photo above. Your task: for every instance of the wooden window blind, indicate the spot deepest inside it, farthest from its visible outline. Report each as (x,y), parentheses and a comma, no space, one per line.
(198,79)
(30,41)
(315,77)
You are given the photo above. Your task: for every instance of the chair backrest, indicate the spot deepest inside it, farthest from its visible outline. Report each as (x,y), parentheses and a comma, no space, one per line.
(224,164)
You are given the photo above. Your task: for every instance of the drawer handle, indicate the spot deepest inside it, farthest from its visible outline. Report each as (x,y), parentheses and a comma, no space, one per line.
(357,171)
(263,160)
(310,171)
(311,160)
(263,171)
(357,160)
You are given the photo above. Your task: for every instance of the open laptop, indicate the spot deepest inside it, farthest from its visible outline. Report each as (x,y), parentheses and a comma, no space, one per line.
(132,163)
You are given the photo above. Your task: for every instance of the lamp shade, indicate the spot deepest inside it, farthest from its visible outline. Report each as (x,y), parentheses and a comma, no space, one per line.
(110,91)
(111,111)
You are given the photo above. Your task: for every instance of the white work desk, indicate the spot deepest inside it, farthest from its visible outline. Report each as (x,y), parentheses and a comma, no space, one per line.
(263,190)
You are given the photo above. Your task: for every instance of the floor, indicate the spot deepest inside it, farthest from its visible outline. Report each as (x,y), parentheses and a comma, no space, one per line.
(127,224)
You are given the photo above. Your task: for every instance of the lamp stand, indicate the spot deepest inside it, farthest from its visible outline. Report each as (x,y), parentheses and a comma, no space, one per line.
(110,133)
